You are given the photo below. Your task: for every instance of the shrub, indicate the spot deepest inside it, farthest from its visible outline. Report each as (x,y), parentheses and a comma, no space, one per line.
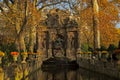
(84,47)
(111,47)
(103,48)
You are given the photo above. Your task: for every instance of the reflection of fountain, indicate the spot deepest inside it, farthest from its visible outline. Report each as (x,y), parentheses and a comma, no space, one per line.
(63,74)
(59,63)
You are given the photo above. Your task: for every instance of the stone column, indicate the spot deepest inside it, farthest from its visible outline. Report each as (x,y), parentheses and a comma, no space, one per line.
(44,43)
(47,43)
(73,45)
(69,39)
(40,40)
(50,46)
(79,44)
(79,41)
(51,39)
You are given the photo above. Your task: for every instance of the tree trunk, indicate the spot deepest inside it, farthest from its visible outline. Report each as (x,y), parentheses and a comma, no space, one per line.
(32,41)
(22,42)
(33,29)
(20,38)
(96,24)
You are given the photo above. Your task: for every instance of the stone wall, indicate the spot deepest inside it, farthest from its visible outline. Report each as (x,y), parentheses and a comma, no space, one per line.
(107,68)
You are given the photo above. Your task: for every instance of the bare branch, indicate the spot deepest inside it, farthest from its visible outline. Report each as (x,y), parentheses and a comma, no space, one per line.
(52,4)
(42,1)
(11,1)
(24,21)
(7,4)
(1,9)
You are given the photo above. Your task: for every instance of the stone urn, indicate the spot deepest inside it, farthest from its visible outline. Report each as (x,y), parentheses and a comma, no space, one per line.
(1,55)
(15,56)
(24,56)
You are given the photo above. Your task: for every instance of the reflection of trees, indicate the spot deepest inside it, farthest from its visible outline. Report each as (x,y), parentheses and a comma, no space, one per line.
(62,75)
(66,74)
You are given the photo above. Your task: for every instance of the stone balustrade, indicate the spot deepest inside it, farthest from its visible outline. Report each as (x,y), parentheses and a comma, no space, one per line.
(107,68)
(23,71)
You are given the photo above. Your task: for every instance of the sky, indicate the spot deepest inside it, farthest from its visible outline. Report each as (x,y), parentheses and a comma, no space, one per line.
(118,25)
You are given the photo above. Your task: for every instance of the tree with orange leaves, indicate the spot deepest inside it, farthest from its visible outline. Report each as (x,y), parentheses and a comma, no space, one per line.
(23,16)
(108,18)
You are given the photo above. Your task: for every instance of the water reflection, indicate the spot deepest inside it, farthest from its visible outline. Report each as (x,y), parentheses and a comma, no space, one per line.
(80,74)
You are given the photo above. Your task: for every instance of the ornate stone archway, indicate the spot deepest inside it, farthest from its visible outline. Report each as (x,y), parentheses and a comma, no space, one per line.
(54,42)
(60,34)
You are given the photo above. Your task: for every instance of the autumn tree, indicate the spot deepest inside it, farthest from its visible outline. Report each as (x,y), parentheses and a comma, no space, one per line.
(23,16)
(108,18)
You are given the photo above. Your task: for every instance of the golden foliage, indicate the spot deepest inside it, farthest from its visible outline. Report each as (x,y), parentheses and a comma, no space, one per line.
(108,16)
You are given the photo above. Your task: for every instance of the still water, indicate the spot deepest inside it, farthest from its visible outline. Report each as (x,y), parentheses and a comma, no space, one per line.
(79,74)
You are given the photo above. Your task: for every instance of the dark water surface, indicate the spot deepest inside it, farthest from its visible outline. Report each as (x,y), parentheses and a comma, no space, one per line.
(60,74)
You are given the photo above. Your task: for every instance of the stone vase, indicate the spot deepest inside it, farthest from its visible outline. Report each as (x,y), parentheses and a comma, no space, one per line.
(24,58)
(15,58)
